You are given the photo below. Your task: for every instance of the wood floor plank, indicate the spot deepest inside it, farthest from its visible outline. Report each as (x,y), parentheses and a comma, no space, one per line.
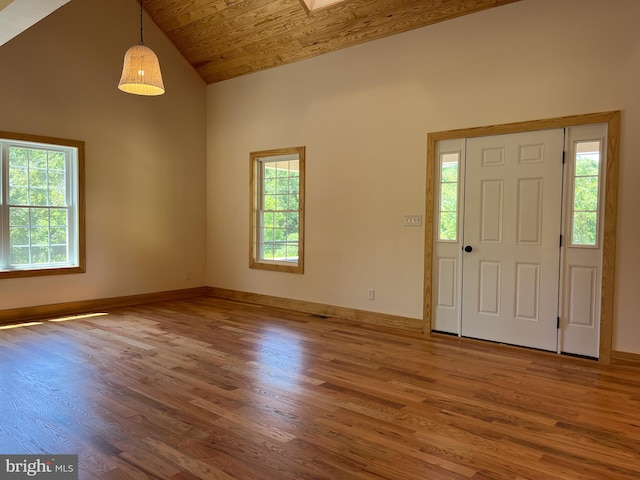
(205,388)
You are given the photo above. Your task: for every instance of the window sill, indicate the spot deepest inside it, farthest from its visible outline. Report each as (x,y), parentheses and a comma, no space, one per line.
(277,266)
(41,272)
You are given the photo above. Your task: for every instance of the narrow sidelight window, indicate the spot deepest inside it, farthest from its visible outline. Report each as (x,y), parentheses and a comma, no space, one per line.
(448,211)
(586,188)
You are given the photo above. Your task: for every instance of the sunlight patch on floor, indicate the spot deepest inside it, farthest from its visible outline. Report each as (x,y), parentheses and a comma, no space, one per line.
(78,317)
(20,325)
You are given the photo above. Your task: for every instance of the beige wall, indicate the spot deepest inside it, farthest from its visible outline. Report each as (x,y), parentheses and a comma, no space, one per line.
(364,112)
(145,157)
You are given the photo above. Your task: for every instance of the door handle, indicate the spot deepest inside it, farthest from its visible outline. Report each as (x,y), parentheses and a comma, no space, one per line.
(468,249)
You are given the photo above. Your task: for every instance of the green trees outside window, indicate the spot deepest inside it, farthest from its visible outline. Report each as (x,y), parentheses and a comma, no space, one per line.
(279,214)
(449,174)
(38,216)
(584,225)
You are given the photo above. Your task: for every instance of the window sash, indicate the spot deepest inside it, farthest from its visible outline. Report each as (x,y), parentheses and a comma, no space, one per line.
(279,196)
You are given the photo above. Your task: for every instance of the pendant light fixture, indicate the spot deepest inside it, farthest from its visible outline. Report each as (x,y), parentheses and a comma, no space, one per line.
(141,70)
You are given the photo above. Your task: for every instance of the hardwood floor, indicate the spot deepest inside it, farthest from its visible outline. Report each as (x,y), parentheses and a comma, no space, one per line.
(212,389)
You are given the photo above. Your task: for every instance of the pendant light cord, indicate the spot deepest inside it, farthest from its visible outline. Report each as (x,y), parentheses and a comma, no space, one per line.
(141,39)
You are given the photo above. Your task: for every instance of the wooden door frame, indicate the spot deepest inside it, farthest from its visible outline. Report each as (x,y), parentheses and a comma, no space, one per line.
(612,120)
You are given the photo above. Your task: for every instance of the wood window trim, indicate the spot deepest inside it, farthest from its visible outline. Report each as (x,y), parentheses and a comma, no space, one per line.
(253,186)
(612,120)
(81,267)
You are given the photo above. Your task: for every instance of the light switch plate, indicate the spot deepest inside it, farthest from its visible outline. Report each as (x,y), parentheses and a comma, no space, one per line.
(413,220)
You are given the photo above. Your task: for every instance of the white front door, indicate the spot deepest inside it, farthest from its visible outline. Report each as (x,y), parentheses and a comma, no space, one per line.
(512,226)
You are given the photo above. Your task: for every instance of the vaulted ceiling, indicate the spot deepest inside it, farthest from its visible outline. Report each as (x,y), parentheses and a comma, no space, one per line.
(223,39)
(18,15)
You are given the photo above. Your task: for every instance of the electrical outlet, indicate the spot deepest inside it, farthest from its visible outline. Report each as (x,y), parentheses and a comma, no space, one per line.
(371,293)
(413,220)
(187,275)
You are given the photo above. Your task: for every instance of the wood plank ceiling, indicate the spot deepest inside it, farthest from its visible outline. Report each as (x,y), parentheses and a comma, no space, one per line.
(223,39)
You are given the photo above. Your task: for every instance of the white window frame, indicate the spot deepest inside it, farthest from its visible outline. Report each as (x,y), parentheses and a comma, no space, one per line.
(73,151)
